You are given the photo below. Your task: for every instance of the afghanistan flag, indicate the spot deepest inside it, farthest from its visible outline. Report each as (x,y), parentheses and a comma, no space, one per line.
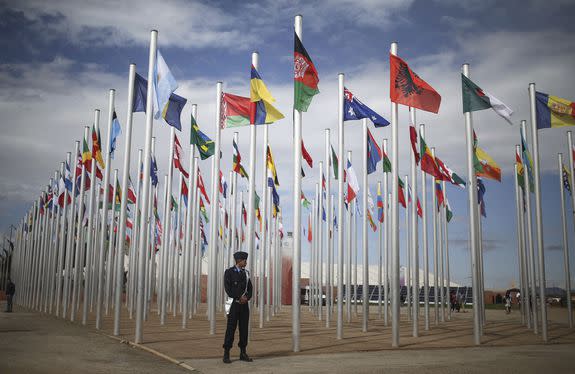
(204,144)
(553,111)
(408,89)
(305,77)
(235,111)
(474,98)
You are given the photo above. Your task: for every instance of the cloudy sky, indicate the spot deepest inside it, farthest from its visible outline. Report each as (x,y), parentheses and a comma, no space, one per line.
(59,59)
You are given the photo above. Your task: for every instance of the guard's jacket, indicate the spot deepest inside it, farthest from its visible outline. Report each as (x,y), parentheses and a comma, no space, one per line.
(235,283)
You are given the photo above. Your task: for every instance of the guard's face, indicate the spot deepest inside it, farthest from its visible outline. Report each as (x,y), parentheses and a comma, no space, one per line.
(241,263)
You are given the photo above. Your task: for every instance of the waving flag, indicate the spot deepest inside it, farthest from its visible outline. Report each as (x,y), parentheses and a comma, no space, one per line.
(178,157)
(334,162)
(354,109)
(164,84)
(237,161)
(86,155)
(448,212)
(184,192)
(202,187)
(261,109)
(306,155)
(272,173)
(203,210)
(304,201)
(131,192)
(235,111)
(474,98)
(439,193)
(386,162)
(553,111)
(370,220)
(373,153)
(413,139)
(448,174)
(305,77)
(419,210)
(116,131)
(428,163)
(409,89)
(401,192)
(352,183)
(566,179)
(485,166)
(527,160)
(480,196)
(244,214)
(97,148)
(154,171)
(309,235)
(380,211)
(205,145)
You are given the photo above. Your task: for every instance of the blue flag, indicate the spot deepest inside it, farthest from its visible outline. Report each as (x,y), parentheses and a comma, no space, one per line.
(172,110)
(154,171)
(116,131)
(374,153)
(354,109)
(480,195)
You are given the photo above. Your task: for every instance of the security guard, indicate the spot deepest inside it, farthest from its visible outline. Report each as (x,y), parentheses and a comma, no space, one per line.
(235,279)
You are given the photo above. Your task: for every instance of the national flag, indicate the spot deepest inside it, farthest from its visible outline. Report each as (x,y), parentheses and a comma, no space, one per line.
(474,98)
(553,111)
(439,193)
(273,177)
(172,109)
(373,153)
(173,203)
(448,174)
(419,210)
(86,155)
(237,161)
(304,201)
(448,212)
(244,214)
(527,160)
(409,89)
(131,192)
(380,211)
(520,170)
(235,111)
(184,192)
(261,109)
(205,145)
(116,131)
(203,210)
(154,171)
(62,188)
(370,220)
(485,166)
(352,183)
(163,85)
(275,201)
(401,192)
(354,109)
(428,163)
(386,162)
(97,148)
(257,208)
(480,196)
(309,234)
(306,155)
(566,179)
(334,163)
(223,185)
(305,77)
(202,187)
(413,139)
(178,157)
(67,177)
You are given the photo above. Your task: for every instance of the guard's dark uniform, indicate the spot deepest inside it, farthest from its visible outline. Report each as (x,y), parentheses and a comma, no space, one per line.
(235,286)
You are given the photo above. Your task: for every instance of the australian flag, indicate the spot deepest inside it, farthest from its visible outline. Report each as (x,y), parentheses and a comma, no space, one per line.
(354,109)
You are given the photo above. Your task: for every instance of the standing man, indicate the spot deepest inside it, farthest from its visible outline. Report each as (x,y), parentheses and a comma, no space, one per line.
(238,287)
(10,291)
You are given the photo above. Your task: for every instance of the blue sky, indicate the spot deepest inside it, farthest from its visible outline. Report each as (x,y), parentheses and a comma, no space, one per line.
(59,59)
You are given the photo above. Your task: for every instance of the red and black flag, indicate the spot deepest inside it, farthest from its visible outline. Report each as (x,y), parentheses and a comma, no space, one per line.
(408,89)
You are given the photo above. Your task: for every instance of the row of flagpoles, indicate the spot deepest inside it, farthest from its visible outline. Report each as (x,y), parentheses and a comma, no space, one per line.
(67,256)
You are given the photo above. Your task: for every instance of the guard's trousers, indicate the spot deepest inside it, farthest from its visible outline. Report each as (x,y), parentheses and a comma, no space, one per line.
(239,314)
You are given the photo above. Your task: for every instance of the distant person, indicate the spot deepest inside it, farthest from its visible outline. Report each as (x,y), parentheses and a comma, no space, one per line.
(10,291)
(453,300)
(507,303)
(238,287)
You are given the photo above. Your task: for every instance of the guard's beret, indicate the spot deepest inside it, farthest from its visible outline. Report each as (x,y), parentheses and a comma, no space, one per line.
(240,256)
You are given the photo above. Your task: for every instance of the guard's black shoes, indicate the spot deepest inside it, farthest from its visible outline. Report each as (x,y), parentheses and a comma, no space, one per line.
(244,357)
(226,358)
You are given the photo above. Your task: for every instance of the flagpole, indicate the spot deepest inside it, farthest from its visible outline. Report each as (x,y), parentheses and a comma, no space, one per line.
(328,242)
(319,236)
(380,259)
(340,208)
(296,269)
(520,245)
(187,235)
(472,192)
(52,250)
(440,260)
(269,255)
(365,293)
(349,248)
(137,236)
(538,214)
(407,277)
(261,284)
(61,253)
(70,234)
(139,335)
(234,202)
(394,219)
(446,241)
(530,247)
(565,243)
(386,222)
(414,238)
(194,247)
(572,181)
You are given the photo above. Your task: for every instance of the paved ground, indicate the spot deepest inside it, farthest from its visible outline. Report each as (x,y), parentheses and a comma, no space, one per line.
(36,343)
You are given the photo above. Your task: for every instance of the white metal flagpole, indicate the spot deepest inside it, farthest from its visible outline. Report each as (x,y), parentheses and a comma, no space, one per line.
(386,227)
(414,238)
(264,227)
(328,230)
(365,258)
(340,208)
(565,243)
(572,182)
